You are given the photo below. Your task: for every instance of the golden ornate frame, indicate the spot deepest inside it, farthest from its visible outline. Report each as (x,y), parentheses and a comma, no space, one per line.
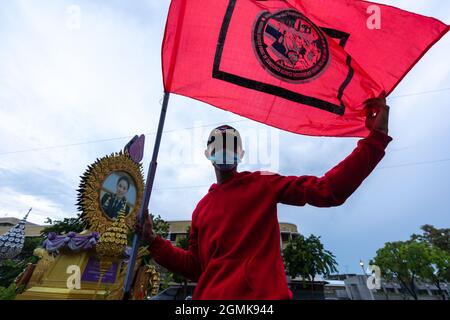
(91,184)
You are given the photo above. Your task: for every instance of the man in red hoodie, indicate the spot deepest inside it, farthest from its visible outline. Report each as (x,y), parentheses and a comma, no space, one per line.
(234,242)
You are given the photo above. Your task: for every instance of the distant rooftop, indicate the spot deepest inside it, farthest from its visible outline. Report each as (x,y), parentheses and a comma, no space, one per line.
(179,226)
(176,226)
(13,221)
(31,229)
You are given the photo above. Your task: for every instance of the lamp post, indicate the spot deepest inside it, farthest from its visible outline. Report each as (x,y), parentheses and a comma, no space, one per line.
(361,263)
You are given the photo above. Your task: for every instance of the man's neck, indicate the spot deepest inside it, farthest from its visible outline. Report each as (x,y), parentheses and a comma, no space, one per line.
(223,176)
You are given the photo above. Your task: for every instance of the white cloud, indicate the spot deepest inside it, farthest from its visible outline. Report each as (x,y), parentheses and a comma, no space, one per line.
(16,204)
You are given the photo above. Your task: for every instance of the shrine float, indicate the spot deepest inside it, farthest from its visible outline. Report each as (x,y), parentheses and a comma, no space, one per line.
(93,264)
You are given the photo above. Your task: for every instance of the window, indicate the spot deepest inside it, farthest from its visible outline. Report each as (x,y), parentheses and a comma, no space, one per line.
(423,292)
(435,292)
(284,236)
(355,292)
(403,291)
(173,237)
(182,235)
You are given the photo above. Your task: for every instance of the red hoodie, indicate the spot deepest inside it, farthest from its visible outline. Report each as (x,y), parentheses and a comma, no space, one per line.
(234,243)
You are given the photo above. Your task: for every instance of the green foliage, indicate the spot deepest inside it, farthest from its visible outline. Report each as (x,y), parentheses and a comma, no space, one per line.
(64,226)
(9,270)
(160,226)
(403,259)
(167,279)
(405,262)
(441,264)
(425,257)
(439,238)
(306,257)
(29,245)
(439,242)
(8,293)
(183,243)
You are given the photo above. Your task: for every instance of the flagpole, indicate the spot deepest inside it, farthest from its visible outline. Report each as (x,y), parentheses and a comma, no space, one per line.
(147,195)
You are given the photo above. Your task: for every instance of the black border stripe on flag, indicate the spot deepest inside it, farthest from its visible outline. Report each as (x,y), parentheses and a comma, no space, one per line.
(278,91)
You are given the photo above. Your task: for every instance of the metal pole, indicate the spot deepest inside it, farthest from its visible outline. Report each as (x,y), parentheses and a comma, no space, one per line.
(147,195)
(366,278)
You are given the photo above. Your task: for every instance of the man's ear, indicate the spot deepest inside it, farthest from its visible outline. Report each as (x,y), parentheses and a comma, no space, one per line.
(207,154)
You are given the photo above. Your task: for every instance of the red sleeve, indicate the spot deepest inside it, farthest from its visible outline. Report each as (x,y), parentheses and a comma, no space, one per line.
(338,184)
(177,260)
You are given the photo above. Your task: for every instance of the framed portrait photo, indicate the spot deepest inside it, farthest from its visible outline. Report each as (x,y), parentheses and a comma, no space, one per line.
(118,194)
(111,186)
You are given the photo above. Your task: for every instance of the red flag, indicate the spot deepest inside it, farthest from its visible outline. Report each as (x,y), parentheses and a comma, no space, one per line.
(302,66)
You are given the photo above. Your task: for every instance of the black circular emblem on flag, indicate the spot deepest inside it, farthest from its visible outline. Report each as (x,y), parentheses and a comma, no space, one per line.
(290,46)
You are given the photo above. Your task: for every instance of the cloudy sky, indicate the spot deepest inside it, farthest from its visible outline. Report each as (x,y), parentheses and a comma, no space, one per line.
(71,92)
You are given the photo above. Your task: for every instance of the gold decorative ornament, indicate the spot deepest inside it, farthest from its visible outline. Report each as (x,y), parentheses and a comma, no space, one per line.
(116,291)
(96,191)
(154,281)
(113,241)
(43,266)
(110,249)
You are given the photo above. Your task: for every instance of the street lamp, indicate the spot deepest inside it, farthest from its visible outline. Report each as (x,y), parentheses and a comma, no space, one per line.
(361,263)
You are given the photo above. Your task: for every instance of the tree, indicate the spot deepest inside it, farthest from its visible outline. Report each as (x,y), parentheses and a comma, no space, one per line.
(160,226)
(166,281)
(9,270)
(439,238)
(306,257)
(64,226)
(439,269)
(405,262)
(425,257)
(438,241)
(183,243)
(8,293)
(30,244)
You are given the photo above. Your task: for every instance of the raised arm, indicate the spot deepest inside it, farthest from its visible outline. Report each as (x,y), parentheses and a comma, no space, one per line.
(177,260)
(338,184)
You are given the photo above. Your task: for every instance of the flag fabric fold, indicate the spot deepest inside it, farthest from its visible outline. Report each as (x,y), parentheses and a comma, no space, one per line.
(305,66)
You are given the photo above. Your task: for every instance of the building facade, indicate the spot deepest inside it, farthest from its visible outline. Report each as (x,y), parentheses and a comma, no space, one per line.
(178,229)
(354,287)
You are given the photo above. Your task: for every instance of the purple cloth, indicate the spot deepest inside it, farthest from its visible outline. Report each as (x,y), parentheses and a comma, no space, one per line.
(75,242)
(72,241)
